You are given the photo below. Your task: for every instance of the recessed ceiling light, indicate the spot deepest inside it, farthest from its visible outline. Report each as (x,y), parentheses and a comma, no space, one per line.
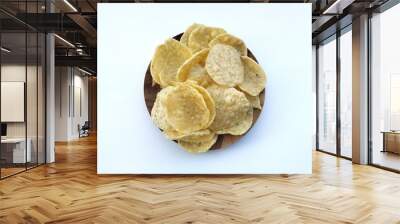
(70,5)
(84,71)
(65,41)
(5,50)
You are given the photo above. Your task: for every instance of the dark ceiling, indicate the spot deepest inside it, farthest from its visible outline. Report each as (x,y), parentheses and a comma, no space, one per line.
(76,22)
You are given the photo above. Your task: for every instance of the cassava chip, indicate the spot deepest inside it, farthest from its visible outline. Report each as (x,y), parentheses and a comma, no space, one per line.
(254,77)
(209,87)
(193,69)
(198,147)
(234,113)
(186,109)
(199,137)
(208,100)
(200,76)
(201,36)
(174,134)
(196,136)
(185,37)
(155,66)
(158,110)
(231,40)
(254,101)
(224,65)
(166,61)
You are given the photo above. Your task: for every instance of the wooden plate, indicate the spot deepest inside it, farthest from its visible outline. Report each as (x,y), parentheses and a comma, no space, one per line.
(150,93)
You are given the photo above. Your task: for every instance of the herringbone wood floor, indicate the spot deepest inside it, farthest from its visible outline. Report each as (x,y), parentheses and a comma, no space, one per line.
(69,191)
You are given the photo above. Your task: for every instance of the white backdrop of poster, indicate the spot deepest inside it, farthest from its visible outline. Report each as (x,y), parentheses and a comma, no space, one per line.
(279,35)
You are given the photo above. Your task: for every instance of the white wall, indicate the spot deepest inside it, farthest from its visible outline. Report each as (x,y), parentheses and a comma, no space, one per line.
(62,82)
(71,102)
(79,103)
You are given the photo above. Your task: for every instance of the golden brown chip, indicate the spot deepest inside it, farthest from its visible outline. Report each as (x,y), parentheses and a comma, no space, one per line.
(200,76)
(201,36)
(210,87)
(167,60)
(174,134)
(231,40)
(193,69)
(241,127)
(254,101)
(186,109)
(224,65)
(158,110)
(198,147)
(185,37)
(208,100)
(155,68)
(196,136)
(254,77)
(199,137)
(234,113)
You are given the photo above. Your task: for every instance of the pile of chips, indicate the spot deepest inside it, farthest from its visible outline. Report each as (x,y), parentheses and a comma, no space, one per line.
(208,86)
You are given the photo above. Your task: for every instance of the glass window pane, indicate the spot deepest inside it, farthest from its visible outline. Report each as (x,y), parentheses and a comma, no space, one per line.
(14,153)
(346,94)
(386,89)
(22,90)
(327,97)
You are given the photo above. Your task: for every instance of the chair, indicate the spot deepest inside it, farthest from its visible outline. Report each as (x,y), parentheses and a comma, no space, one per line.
(84,130)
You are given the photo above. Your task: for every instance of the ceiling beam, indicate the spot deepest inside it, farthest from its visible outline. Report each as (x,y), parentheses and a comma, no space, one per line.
(49,22)
(84,24)
(82,61)
(332,29)
(338,6)
(321,21)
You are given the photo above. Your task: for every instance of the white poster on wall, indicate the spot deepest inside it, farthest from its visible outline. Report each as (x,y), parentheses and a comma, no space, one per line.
(279,35)
(12,101)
